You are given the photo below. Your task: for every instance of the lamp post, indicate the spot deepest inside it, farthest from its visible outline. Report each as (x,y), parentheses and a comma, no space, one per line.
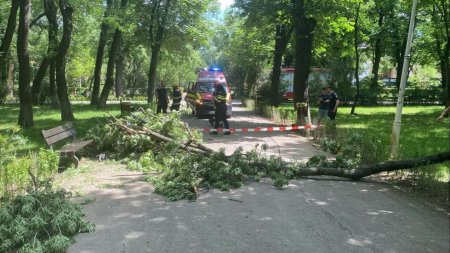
(395,137)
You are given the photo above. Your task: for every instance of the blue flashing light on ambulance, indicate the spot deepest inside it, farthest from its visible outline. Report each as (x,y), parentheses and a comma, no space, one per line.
(199,95)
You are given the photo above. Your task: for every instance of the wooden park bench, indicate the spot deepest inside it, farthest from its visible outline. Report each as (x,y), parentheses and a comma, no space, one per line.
(64,132)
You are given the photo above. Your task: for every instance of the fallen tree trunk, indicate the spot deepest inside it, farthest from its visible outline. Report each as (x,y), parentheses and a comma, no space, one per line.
(355,173)
(367,170)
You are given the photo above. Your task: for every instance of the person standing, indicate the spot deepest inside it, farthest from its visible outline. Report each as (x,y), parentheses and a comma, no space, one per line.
(162,98)
(220,99)
(176,99)
(334,103)
(324,105)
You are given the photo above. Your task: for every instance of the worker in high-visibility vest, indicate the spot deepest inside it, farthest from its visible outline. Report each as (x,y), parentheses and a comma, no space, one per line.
(220,101)
(176,98)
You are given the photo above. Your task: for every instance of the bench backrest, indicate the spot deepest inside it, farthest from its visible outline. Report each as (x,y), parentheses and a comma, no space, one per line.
(58,133)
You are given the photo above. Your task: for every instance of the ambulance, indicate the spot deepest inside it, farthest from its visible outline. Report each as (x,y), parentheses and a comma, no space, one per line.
(199,95)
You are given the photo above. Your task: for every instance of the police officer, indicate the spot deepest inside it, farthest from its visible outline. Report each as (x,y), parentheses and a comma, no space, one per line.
(220,98)
(162,98)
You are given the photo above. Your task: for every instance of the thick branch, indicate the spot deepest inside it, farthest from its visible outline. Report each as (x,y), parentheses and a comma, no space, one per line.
(367,170)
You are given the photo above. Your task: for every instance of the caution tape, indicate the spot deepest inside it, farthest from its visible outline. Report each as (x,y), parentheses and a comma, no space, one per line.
(257,129)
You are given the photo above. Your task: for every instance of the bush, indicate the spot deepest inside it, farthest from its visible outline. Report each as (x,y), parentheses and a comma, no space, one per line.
(15,170)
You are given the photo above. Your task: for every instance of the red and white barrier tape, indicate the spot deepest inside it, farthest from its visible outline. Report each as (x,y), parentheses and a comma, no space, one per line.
(257,129)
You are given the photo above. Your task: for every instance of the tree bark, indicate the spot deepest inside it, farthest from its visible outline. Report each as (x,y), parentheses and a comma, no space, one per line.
(356,47)
(367,170)
(10,79)
(119,74)
(100,53)
(152,73)
(37,81)
(26,108)
(61,83)
(6,41)
(378,50)
(282,36)
(109,82)
(304,28)
(157,32)
(113,55)
(50,11)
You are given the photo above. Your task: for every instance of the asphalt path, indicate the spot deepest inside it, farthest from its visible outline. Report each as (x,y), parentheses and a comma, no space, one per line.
(319,214)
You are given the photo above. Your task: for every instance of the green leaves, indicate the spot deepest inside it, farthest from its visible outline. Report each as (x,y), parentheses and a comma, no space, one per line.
(40,222)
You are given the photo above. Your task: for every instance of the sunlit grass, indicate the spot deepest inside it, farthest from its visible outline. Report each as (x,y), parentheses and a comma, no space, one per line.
(45,118)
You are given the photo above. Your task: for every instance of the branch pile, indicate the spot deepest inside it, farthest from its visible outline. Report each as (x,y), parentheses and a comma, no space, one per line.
(178,163)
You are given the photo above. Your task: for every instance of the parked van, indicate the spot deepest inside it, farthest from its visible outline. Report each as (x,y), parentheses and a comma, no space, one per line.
(199,95)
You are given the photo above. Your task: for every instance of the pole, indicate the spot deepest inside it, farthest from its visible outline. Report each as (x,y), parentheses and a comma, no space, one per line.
(395,137)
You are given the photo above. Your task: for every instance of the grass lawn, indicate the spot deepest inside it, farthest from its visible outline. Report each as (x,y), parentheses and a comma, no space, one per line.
(420,134)
(44,118)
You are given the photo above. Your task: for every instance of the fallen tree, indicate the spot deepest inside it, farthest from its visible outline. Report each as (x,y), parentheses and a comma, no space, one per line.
(178,164)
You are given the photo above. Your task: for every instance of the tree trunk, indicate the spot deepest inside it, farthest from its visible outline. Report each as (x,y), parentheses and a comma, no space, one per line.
(367,170)
(26,108)
(37,81)
(282,37)
(109,82)
(100,53)
(304,28)
(50,13)
(377,58)
(119,74)
(61,84)
(157,32)
(10,79)
(6,41)
(356,45)
(152,73)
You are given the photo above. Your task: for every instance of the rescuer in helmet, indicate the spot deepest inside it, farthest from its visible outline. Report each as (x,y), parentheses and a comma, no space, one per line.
(220,99)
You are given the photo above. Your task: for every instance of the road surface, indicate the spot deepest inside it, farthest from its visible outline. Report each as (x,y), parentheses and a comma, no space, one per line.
(319,214)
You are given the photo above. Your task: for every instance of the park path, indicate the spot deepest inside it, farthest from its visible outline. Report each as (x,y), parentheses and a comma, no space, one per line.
(310,215)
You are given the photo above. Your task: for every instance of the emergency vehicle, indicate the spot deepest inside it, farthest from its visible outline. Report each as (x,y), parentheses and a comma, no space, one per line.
(199,95)
(287,82)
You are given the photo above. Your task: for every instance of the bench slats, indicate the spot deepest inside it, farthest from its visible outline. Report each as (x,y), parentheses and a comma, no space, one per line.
(56,130)
(75,146)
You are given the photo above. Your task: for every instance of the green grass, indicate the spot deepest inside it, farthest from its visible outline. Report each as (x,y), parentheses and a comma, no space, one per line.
(420,134)
(44,118)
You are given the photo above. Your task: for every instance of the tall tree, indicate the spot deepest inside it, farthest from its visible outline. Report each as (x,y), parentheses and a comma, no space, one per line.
(26,108)
(50,10)
(157,29)
(357,57)
(441,18)
(61,83)
(304,34)
(100,52)
(6,41)
(113,57)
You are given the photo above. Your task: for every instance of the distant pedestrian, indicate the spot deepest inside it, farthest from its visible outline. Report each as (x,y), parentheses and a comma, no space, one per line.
(334,103)
(162,98)
(220,99)
(324,105)
(176,98)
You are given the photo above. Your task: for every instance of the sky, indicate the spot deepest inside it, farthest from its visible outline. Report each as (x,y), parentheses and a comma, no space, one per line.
(225,3)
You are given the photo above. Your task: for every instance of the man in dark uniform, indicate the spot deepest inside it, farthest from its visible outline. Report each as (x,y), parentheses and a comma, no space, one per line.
(176,99)
(220,99)
(334,103)
(162,98)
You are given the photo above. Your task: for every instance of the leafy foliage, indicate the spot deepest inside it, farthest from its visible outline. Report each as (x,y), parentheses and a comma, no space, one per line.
(14,170)
(42,221)
(110,138)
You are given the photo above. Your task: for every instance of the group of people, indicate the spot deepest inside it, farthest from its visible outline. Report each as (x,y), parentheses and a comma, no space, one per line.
(162,98)
(328,104)
(219,96)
